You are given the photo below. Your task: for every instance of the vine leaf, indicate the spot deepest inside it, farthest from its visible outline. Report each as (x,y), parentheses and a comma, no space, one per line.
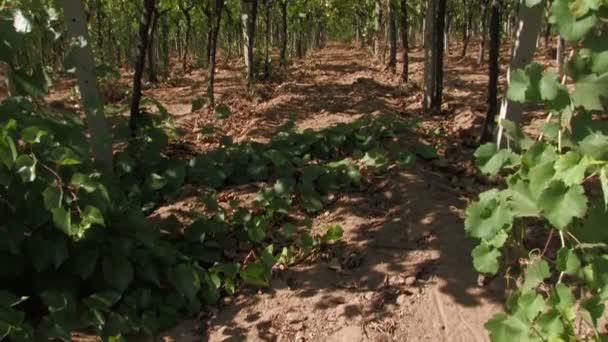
(504,328)
(486,217)
(550,325)
(256,273)
(567,261)
(485,259)
(529,306)
(571,168)
(535,274)
(522,202)
(490,161)
(595,145)
(604,181)
(563,300)
(590,90)
(117,271)
(63,220)
(592,310)
(569,27)
(540,178)
(186,280)
(561,204)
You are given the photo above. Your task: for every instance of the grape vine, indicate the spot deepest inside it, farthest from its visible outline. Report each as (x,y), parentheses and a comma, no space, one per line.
(553,184)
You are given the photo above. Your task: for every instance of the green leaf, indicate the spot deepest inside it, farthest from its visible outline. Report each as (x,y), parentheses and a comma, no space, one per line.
(571,168)
(570,28)
(57,301)
(102,300)
(599,62)
(222,112)
(535,274)
(567,261)
(549,86)
(425,151)
(515,134)
(561,204)
(519,82)
(550,325)
(186,280)
(10,321)
(83,262)
(485,259)
(26,168)
(52,197)
(590,91)
(63,220)
(521,201)
(85,182)
(198,103)
(604,182)
(8,299)
(90,216)
(593,309)
(310,199)
(529,306)
(595,145)
(486,217)
(563,300)
(35,84)
(334,233)
(47,251)
(288,229)
(540,177)
(580,8)
(256,273)
(117,271)
(503,328)
(33,135)
(65,156)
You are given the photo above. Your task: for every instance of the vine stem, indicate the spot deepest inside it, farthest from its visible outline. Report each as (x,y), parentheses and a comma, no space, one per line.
(547,243)
(542,134)
(561,237)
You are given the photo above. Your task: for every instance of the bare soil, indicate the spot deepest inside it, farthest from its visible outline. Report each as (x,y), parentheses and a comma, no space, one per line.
(403,270)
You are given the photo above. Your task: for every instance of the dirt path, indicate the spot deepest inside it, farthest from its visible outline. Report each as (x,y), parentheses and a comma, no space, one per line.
(403,269)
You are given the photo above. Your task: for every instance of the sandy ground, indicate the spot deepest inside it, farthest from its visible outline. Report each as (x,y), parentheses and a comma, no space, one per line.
(403,270)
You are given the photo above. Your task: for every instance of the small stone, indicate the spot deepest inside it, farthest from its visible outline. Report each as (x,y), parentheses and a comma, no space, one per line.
(396,280)
(347,334)
(299,336)
(369,295)
(402,299)
(411,280)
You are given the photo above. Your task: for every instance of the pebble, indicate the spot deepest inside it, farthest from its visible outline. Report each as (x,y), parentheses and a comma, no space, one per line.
(411,280)
(402,299)
(348,334)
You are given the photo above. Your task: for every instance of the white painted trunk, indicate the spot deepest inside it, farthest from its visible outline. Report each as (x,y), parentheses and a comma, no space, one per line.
(559,55)
(92,102)
(8,79)
(528,28)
